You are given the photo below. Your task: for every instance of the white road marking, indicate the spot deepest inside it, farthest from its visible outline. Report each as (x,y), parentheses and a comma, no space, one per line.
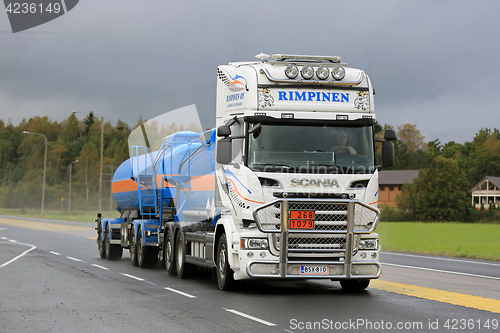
(19,256)
(154,284)
(4,238)
(250,317)
(3,228)
(441,271)
(57,254)
(437,258)
(180,292)
(132,277)
(74,259)
(12,241)
(101,267)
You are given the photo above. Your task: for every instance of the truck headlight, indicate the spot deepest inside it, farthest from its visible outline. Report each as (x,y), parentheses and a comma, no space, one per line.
(254,243)
(291,71)
(338,72)
(368,244)
(322,72)
(307,72)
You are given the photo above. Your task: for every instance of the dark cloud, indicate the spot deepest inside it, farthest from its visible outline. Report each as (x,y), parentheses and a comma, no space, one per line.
(433,63)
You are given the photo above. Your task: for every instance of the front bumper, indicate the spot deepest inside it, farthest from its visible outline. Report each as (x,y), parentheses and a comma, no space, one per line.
(335,271)
(338,227)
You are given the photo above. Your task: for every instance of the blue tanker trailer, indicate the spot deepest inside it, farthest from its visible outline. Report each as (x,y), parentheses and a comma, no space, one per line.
(153,191)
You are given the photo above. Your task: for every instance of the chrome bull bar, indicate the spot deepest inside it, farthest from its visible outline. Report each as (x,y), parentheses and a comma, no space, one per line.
(343,219)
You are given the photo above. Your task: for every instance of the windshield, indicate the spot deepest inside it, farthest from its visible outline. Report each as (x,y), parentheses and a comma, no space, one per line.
(311,149)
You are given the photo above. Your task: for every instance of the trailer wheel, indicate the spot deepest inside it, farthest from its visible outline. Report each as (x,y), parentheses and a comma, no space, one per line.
(354,285)
(100,242)
(225,278)
(146,256)
(132,247)
(168,253)
(113,251)
(183,268)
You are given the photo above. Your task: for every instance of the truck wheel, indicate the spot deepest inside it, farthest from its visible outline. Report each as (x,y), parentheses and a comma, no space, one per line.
(132,247)
(114,251)
(354,285)
(146,255)
(100,242)
(168,253)
(225,278)
(183,269)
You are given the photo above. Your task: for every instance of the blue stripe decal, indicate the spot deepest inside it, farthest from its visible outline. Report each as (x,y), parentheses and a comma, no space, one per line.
(232,174)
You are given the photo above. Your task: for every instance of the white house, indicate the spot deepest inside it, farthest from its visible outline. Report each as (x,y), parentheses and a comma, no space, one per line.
(486,191)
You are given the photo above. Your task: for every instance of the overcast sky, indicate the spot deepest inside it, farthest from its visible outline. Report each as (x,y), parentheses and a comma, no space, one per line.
(433,63)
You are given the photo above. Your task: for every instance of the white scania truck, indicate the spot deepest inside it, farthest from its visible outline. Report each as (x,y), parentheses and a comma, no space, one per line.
(286,186)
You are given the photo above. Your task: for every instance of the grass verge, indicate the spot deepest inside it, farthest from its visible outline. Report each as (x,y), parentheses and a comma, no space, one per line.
(464,240)
(74,216)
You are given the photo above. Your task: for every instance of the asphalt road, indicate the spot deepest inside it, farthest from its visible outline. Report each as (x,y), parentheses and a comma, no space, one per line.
(52,280)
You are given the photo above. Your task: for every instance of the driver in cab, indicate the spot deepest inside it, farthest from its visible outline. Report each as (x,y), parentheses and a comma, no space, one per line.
(340,144)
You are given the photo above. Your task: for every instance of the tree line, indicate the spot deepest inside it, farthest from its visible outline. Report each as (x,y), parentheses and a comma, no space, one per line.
(447,173)
(22,160)
(440,193)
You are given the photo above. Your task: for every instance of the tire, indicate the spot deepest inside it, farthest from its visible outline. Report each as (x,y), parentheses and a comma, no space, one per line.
(100,242)
(168,253)
(147,256)
(354,285)
(225,278)
(113,251)
(183,269)
(132,248)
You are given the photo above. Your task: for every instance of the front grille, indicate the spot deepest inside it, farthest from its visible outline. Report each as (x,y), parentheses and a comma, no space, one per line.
(331,219)
(328,216)
(312,241)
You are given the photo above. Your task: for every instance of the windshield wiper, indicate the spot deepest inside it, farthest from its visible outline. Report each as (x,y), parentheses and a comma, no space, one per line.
(279,165)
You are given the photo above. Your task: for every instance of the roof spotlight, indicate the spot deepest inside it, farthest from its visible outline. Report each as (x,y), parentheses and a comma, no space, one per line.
(322,72)
(338,72)
(307,72)
(291,71)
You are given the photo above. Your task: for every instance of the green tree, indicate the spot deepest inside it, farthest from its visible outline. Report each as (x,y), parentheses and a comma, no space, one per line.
(439,193)
(410,135)
(88,168)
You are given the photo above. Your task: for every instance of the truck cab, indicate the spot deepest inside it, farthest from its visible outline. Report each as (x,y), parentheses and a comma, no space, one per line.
(297,166)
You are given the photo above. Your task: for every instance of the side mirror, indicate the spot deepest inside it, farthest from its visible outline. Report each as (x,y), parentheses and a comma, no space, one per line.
(387,154)
(254,128)
(224,150)
(223,131)
(390,135)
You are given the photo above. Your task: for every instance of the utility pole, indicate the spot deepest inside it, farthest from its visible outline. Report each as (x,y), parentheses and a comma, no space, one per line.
(44,166)
(69,196)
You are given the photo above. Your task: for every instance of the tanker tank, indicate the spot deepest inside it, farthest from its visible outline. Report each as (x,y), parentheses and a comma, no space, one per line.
(185,164)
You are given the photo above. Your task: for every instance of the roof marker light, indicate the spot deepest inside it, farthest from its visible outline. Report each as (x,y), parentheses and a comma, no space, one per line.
(281,57)
(262,56)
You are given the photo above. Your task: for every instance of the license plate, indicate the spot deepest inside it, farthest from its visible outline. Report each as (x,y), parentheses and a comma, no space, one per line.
(314,270)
